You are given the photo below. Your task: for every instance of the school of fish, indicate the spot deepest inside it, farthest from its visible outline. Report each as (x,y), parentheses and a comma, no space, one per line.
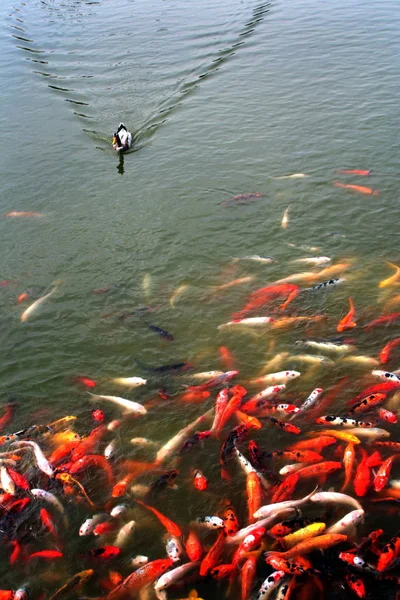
(306,462)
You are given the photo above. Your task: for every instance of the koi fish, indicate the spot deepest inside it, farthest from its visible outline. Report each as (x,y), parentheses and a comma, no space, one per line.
(130,382)
(270,509)
(269,584)
(143,576)
(313,260)
(173,445)
(361,189)
(267,294)
(332,420)
(241,199)
(367,403)
(214,382)
(161,332)
(199,480)
(170,577)
(233,283)
(85,382)
(320,542)
(355,172)
(382,477)
(386,375)
(276,378)
(383,320)
(77,581)
(249,321)
(256,258)
(389,554)
(393,279)
(312,530)
(325,285)
(384,355)
(285,218)
(128,405)
(35,305)
(177,294)
(16,213)
(169,525)
(347,321)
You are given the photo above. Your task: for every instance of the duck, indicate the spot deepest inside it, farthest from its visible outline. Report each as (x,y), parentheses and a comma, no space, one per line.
(122,139)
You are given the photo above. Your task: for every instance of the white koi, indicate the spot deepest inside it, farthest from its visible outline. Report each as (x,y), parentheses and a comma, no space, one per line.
(336,498)
(313,260)
(41,460)
(285,218)
(6,481)
(269,509)
(32,308)
(139,560)
(270,584)
(129,382)
(249,322)
(210,522)
(175,443)
(386,375)
(279,377)
(124,534)
(176,294)
(171,576)
(347,523)
(128,405)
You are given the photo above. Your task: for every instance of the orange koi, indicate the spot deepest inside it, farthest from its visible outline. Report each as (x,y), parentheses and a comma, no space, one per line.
(367,403)
(195,396)
(301,456)
(317,443)
(285,489)
(361,189)
(213,556)
(231,523)
(265,295)
(193,546)
(7,416)
(200,481)
(227,358)
(249,421)
(139,578)
(169,525)
(318,543)
(356,584)
(382,477)
(362,479)
(289,321)
(88,444)
(323,468)
(46,554)
(94,461)
(254,495)
(231,408)
(355,172)
(389,554)
(347,321)
(383,320)
(247,577)
(348,463)
(386,350)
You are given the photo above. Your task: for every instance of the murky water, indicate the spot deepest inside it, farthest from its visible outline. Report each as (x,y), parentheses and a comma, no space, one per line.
(223,99)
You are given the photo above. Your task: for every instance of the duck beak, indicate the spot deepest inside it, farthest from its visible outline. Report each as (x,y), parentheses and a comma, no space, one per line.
(114,140)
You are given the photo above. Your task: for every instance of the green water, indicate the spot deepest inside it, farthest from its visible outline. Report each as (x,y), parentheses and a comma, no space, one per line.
(222,99)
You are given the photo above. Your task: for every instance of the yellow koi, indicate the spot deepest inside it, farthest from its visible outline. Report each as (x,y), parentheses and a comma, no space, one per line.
(340,435)
(393,279)
(302,534)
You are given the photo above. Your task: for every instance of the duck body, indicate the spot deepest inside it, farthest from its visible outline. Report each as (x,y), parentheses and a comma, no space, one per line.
(122,139)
